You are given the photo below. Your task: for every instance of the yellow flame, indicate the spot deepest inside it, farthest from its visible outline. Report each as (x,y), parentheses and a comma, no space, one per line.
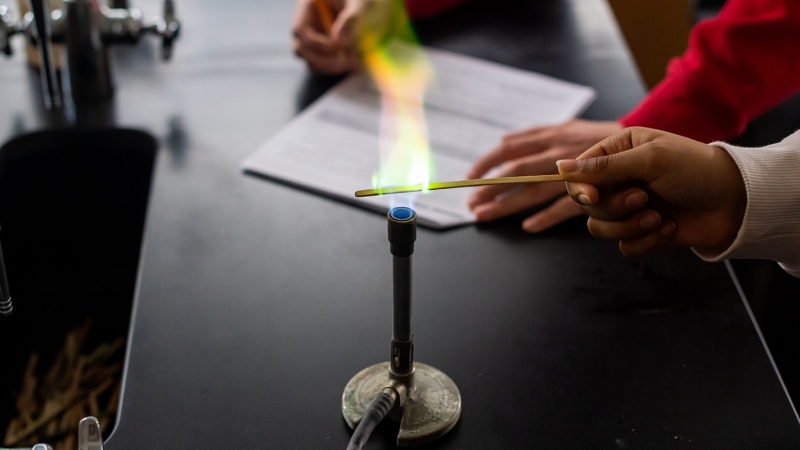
(401,71)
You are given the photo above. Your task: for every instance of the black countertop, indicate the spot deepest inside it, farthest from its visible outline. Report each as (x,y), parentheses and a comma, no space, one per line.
(257,302)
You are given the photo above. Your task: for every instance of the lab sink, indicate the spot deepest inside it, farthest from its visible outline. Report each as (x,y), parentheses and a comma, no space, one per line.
(72,212)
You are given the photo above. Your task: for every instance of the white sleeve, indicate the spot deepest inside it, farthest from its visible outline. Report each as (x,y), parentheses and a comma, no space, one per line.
(771,226)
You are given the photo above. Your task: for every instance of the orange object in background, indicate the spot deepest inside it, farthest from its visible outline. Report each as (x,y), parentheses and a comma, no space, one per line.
(656,31)
(325,14)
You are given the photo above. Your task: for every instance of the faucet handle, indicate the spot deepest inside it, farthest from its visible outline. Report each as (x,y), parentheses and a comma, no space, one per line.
(7,29)
(41,447)
(169,29)
(89,435)
(127,25)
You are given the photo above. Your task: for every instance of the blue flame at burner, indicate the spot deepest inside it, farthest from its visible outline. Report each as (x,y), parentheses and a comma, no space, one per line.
(401,213)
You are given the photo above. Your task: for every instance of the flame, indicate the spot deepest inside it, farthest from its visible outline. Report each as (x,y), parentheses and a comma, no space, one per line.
(401,71)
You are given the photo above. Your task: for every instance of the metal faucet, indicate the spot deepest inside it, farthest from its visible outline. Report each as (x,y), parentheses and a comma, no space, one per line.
(86,28)
(89,436)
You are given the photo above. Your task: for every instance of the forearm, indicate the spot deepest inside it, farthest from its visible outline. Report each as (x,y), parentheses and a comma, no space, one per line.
(738,65)
(771,226)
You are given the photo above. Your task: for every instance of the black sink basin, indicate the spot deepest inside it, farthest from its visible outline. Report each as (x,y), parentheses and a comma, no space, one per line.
(72,210)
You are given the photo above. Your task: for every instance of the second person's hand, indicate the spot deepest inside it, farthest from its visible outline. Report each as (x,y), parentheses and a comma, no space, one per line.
(336,51)
(534,152)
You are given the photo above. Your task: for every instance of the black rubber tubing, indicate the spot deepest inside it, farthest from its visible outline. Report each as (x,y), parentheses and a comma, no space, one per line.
(372,417)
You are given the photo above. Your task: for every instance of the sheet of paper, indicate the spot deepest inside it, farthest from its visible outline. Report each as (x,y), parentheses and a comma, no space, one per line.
(332,146)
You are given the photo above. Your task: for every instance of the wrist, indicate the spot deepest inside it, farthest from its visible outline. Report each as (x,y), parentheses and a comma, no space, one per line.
(737,202)
(730,211)
(732,206)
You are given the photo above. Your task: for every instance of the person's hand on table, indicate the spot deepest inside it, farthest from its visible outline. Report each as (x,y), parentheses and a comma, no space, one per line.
(535,152)
(335,52)
(647,188)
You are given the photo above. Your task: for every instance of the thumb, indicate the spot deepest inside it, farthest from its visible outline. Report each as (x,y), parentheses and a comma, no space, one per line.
(632,165)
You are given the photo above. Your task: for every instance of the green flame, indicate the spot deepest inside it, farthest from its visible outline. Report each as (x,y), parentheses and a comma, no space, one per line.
(402,72)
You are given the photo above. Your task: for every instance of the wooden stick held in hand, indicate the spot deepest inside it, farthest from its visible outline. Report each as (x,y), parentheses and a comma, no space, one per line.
(457,184)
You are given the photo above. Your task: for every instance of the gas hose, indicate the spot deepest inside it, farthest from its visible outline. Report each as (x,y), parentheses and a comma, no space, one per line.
(372,417)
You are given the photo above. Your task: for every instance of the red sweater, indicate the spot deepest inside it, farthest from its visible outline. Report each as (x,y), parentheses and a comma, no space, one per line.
(421,9)
(738,65)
